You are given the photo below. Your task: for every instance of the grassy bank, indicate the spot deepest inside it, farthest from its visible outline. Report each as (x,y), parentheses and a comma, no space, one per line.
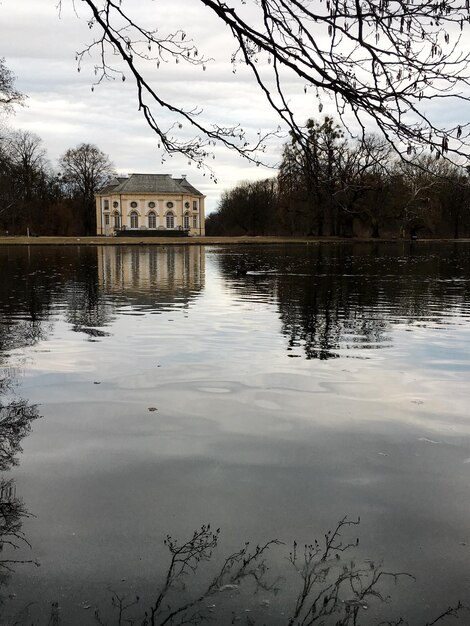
(186,241)
(155,241)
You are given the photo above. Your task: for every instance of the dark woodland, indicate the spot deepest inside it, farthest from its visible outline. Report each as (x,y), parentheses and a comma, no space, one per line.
(343,188)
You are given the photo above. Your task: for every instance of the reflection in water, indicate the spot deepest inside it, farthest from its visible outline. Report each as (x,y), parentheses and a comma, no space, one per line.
(12,515)
(337,298)
(317,583)
(15,423)
(152,277)
(90,284)
(38,283)
(19,327)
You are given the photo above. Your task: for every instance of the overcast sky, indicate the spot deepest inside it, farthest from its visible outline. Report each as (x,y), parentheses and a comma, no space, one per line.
(40,45)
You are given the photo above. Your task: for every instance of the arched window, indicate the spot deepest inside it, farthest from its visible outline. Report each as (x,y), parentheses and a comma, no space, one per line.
(186,221)
(117,220)
(134,219)
(152,218)
(170,220)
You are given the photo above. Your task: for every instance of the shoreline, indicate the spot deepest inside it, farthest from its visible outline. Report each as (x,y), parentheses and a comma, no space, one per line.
(202,241)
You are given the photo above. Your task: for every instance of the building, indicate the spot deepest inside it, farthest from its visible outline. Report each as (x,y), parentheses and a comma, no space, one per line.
(149,204)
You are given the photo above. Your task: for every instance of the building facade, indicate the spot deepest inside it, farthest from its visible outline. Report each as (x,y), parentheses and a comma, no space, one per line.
(150,203)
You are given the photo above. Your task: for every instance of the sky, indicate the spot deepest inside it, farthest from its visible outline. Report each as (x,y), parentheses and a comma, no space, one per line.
(40,44)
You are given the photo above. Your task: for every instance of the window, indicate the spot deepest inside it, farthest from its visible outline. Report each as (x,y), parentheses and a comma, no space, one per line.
(194,205)
(169,205)
(106,205)
(151,205)
(117,220)
(186,220)
(134,219)
(134,205)
(186,204)
(106,220)
(170,220)
(152,218)
(194,221)
(115,204)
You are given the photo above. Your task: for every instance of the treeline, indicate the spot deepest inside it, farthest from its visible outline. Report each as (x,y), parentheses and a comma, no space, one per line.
(334,187)
(36,198)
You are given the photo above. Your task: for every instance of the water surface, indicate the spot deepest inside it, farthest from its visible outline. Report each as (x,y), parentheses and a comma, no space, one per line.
(268,391)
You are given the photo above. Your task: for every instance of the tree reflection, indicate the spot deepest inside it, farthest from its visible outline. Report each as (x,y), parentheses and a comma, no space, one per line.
(88,311)
(38,281)
(318,583)
(16,416)
(12,538)
(337,298)
(15,424)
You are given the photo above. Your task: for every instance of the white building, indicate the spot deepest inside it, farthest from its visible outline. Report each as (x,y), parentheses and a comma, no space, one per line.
(149,204)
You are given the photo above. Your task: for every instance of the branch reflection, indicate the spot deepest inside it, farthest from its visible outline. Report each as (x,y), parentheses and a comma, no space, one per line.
(297,585)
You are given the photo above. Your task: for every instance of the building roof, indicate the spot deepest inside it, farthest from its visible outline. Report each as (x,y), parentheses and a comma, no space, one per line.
(149,183)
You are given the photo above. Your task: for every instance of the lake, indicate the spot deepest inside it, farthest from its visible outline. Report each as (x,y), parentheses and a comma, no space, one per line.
(269,391)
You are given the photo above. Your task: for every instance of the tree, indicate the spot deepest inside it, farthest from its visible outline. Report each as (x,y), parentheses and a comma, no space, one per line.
(9,96)
(344,188)
(315,163)
(436,197)
(250,208)
(28,158)
(86,169)
(27,188)
(364,187)
(380,62)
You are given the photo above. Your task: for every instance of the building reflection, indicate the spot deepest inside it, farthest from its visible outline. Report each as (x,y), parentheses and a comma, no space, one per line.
(152,275)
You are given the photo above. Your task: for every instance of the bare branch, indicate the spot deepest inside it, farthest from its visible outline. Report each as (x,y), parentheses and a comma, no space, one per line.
(378,61)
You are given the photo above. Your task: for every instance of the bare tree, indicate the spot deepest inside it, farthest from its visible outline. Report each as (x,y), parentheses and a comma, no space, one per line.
(25,177)
(436,191)
(316,164)
(9,96)
(86,169)
(364,184)
(380,61)
(27,157)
